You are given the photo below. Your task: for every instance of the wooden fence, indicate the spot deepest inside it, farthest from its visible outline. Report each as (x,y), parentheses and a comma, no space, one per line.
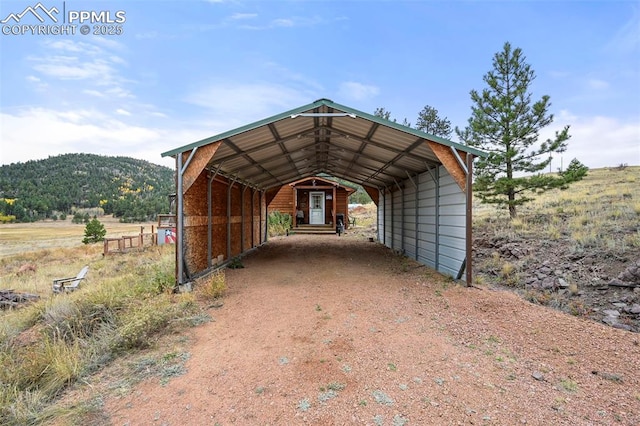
(125,243)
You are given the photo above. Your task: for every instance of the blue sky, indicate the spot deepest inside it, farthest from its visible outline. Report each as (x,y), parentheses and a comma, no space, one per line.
(185,70)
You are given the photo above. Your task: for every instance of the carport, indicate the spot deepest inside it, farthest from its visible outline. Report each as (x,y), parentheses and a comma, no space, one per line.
(419,182)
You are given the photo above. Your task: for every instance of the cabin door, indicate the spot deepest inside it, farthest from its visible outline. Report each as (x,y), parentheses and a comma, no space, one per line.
(316,208)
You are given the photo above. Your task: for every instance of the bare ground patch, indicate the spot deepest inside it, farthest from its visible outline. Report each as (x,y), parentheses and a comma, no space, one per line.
(324,330)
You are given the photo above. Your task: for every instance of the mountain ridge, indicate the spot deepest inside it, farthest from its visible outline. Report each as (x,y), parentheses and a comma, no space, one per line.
(129,188)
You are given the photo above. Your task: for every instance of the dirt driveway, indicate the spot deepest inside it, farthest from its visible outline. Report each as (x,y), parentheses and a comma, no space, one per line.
(337,330)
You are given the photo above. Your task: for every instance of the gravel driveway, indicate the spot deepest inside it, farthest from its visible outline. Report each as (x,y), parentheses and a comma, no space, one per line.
(327,330)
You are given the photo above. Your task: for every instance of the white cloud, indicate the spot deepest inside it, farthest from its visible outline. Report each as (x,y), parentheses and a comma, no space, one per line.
(124,112)
(72,68)
(118,92)
(92,63)
(239,104)
(352,90)
(148,35)
(282,22)
(597,141)
(73,46)
(36,83)
(48,132)
(95,93)
(597,84)
(237,16)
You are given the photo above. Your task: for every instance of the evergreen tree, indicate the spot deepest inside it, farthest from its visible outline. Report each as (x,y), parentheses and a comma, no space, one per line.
(382,113)
(77,218)
(576,171)
(82,181)
(94,232)
(506,124)
(429,122)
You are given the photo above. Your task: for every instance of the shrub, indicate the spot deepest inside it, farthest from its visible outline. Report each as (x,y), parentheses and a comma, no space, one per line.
(94,232)
(235,263)
(214,287)
(7,218)
(279,223)
(537,297)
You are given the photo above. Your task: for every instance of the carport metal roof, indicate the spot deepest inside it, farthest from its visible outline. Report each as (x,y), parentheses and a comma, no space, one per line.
(326,137)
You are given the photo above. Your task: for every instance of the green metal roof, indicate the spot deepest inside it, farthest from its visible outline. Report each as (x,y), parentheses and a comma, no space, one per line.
(323,137)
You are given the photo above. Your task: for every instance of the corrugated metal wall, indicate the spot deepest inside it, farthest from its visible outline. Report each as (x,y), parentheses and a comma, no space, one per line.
(424,218)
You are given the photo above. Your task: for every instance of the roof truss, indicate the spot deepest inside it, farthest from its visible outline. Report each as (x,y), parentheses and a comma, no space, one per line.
(325,137)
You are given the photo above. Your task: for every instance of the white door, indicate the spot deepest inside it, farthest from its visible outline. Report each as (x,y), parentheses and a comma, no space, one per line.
(316,208)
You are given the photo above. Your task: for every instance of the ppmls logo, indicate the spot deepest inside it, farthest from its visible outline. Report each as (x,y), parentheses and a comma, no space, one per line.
(38,11)
(40,20)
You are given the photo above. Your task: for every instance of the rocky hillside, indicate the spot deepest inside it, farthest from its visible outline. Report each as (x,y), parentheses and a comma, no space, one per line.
(576,250)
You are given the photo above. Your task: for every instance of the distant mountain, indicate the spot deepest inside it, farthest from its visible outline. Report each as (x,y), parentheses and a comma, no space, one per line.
(125,187)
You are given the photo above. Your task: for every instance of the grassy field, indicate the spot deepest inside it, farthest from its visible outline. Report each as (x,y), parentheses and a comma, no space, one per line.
(125,305)
(18,238)
(600,212)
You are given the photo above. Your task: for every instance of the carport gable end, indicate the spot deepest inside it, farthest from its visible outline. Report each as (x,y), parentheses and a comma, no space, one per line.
(222,183)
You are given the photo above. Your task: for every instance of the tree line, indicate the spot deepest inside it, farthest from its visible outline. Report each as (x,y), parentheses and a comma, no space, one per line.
(53,188)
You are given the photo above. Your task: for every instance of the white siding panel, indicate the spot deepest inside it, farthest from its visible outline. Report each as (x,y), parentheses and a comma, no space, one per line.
(427,222)
(452,221)
(387,219)
(453,232)
(380,217)
(451,225)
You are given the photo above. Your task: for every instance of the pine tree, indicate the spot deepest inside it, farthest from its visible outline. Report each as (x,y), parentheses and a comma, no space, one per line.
(94,232)
(576,171)
(382,113)
(430,122)
(506,124)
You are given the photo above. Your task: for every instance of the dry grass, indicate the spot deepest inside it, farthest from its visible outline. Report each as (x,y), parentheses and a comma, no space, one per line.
(122,306)
(365,215)
(17,238)
(597,212)
(211,287)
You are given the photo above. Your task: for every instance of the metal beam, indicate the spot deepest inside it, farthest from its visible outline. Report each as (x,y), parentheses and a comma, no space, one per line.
(242,219)
(469,221)
(415,212)
(247,157)
(460,161)
(209,217)
(180,221)
(324,114)
(229,218)
(391,162)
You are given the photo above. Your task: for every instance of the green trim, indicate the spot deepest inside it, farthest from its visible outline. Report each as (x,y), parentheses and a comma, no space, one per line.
(316,104)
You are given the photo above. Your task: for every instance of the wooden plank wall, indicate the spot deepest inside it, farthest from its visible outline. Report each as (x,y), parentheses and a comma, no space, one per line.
(283,201)
(196,222)
(342,203)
